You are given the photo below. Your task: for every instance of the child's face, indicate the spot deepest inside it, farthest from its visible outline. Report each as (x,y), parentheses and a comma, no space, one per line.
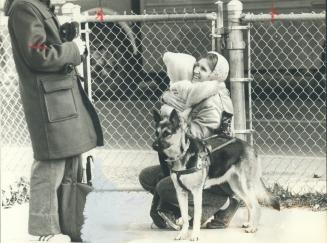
(201,71)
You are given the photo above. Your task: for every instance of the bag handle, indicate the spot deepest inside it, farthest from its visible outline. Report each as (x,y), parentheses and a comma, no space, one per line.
(89,160)
(75,172)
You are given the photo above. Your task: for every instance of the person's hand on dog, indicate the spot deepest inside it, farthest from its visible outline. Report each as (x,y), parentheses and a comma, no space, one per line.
(173,100)
(80,45)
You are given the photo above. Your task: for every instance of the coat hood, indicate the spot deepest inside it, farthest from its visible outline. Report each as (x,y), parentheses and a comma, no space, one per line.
(221,69)
(8,6)
(179,66)
(10,3)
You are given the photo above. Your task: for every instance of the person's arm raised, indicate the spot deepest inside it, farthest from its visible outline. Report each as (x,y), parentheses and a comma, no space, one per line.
(194,93)
(30,36)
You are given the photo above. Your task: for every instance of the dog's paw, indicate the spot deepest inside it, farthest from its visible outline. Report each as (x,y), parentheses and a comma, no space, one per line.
(180,221)
(181,236)
(195,237)
(251,230)
(246,225)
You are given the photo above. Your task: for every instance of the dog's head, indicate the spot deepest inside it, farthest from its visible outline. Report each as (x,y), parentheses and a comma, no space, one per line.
(182,149)
(170,134)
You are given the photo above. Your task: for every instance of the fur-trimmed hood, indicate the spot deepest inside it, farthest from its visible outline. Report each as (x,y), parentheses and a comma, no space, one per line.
(179,66)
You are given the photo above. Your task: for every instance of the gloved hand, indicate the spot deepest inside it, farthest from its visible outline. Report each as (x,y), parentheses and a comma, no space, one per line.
(80,45)
(69,31)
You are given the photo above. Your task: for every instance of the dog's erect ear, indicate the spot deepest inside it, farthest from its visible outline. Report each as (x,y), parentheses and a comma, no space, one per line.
(174,118)
(156,116)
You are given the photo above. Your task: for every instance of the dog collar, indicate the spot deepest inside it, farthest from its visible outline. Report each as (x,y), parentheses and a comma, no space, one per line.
(181,156)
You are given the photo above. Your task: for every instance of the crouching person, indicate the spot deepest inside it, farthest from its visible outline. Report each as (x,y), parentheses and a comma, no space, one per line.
(61,120)
(198,92)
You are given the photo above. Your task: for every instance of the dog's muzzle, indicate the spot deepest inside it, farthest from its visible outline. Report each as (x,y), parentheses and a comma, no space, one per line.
(160,145)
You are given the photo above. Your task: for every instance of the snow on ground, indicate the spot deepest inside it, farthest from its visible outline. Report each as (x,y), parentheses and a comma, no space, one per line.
(122,217)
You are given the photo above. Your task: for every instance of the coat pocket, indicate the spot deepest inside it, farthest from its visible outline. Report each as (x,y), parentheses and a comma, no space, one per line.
(58,97)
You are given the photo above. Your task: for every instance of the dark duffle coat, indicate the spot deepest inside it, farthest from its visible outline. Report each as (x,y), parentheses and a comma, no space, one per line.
(61,120)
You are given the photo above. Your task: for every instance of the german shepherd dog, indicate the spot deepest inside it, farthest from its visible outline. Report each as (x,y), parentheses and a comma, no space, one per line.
(193,168)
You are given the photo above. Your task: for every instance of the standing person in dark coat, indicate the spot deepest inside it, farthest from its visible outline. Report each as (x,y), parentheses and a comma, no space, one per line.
(61,120)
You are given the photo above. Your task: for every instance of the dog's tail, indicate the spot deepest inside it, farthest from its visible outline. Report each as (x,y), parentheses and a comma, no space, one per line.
(266,197)
(262,193)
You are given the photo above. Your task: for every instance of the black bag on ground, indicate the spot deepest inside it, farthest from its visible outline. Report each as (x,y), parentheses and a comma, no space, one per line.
(72,197)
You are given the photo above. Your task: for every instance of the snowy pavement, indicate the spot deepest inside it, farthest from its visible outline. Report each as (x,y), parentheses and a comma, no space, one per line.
(119,217)
(123,217)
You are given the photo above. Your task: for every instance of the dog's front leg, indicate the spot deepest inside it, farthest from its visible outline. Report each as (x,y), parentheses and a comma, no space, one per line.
(197,198)
(183,204)
(182,197)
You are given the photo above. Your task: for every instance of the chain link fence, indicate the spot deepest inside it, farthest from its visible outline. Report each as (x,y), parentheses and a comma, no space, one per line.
(15,148)
(127,84)
(127,76)
(288,98)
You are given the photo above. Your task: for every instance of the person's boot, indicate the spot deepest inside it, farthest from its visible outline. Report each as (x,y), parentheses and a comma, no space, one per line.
(170,219)
(156,218)
(170,213)
(222,218)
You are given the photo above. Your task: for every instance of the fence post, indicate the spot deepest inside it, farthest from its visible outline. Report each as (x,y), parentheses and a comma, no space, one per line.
(219,25)
(236,46)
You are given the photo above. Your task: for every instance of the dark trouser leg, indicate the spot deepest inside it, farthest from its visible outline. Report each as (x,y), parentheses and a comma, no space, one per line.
(222,218)
(149,178)
(213,198)
(46,177)
(157,220)
(163,164)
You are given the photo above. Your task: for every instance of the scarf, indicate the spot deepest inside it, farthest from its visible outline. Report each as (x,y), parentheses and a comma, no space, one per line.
(221,69)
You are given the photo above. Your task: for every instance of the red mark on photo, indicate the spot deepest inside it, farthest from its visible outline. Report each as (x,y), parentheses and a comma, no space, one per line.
(38,46)
(100,14)
(273,13)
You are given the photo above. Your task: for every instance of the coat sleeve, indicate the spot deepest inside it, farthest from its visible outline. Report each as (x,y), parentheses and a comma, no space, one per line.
(205,117)
(31,40)
(200,91)
(194,93)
